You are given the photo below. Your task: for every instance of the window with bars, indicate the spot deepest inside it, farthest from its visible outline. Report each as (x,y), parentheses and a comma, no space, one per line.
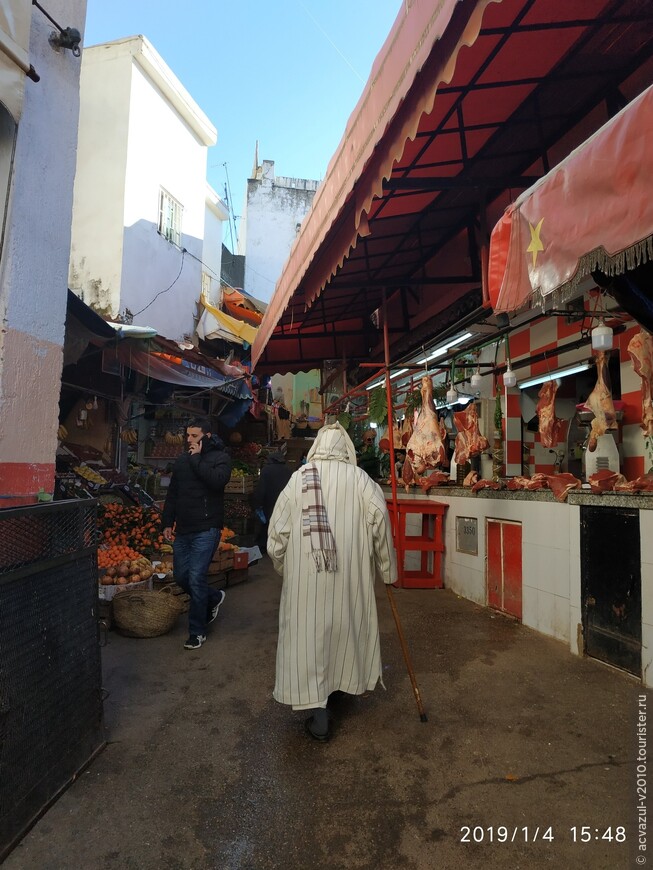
(170,212)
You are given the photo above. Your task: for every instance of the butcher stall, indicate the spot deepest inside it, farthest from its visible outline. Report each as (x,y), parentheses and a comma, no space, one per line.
(527,443)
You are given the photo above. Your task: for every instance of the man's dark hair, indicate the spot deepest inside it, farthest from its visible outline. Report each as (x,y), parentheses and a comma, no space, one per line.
(200,423)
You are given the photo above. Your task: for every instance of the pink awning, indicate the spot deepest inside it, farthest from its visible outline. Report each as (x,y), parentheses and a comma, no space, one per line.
(593,211)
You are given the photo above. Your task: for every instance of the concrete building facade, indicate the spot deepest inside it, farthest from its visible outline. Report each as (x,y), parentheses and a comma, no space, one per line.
(141,203)
(274,209)
(38,140)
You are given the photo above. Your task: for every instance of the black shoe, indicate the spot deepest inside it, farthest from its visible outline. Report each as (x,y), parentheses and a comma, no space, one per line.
(308,727)
(213,613)
(195,641)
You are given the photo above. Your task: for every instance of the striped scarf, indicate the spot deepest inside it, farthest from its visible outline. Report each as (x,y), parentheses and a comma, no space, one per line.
(315,522)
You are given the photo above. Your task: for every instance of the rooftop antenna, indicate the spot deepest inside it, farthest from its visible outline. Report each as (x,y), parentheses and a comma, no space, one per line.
(232,216)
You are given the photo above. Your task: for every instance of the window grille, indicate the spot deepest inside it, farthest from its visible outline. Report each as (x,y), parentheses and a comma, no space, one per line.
(170,212)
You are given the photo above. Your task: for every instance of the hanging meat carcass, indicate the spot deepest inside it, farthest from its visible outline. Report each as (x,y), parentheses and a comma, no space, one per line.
(406,430)
(384,443)
(548,425)
(601,404)
(425,448)
(469,441)
(640,348)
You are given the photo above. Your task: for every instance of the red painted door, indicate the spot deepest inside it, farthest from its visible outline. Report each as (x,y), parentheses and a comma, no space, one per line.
(512,574)
(504,566)
(494,566)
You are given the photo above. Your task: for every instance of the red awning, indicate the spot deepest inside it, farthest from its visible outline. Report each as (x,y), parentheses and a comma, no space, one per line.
(369,145)
(468,103)
(593,211)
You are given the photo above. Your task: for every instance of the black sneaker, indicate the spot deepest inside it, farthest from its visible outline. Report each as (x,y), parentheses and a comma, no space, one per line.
(195,641)
(214,610)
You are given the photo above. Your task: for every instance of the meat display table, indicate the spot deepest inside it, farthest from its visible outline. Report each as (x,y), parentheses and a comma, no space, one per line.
(430,543)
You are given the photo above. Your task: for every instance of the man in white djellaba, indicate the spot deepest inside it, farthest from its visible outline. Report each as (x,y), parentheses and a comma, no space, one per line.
(329,537)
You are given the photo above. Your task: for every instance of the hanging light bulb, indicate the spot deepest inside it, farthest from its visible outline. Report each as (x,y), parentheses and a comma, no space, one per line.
(602,336)
(452,393)
(476,378)
(509,377)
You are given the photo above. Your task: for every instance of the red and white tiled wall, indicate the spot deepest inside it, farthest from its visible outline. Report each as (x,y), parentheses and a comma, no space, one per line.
(524,453)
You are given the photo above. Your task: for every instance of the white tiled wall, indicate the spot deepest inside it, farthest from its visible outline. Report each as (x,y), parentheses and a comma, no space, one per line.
(646,547)
(548,562)
(551,590)
(550,558)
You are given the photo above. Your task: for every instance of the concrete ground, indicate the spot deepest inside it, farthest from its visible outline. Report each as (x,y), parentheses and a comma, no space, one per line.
(203,769)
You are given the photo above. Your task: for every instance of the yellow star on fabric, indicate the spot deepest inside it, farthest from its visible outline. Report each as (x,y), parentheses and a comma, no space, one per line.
(536,243)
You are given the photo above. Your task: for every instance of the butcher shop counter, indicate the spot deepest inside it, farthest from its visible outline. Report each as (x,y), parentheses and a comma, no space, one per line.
(639,501)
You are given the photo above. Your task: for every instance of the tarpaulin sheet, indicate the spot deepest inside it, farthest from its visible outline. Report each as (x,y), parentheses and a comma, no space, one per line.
(182,372)
(214,323)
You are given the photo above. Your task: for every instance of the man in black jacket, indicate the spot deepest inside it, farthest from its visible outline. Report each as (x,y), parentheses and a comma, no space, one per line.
(194,505)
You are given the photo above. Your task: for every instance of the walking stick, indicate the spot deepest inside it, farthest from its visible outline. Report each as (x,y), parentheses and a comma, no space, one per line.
(404,649)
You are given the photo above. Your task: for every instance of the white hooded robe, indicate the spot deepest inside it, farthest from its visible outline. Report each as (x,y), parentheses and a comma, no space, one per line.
(328,626)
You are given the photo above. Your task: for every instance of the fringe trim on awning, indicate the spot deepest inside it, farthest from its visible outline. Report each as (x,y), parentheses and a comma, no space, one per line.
(610,264)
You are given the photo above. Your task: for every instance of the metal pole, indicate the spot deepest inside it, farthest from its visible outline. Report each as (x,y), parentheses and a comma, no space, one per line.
(388,391)
(404,649)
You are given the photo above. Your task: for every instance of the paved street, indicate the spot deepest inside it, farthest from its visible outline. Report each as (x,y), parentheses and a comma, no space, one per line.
(203,769)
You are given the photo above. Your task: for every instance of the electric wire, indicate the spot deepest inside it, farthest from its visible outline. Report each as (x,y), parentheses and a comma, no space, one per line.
(161,292)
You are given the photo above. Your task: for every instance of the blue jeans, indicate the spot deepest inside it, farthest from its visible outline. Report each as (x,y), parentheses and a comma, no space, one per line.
(192,554)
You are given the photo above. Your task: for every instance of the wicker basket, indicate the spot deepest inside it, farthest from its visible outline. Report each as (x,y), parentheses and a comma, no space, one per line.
(145,613)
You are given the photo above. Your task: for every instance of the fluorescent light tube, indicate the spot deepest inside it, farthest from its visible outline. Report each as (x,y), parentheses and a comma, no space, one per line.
(440,351)
(381,383)
(552,376)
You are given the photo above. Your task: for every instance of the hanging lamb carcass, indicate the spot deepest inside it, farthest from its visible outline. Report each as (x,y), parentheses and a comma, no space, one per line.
(425,448)
(600,403)
(549,426)
(469,441)
(640,348)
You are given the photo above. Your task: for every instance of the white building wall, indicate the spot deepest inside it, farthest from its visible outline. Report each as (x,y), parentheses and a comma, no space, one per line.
(275,208)
(34,265)
(215,214)
(162,152)
(98,207)
(158,138)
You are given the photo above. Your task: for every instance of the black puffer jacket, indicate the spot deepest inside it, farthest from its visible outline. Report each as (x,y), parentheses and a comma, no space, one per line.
(195,499)
(275,474)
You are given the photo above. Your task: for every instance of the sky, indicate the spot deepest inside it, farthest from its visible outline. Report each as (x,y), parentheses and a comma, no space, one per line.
(286,74)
